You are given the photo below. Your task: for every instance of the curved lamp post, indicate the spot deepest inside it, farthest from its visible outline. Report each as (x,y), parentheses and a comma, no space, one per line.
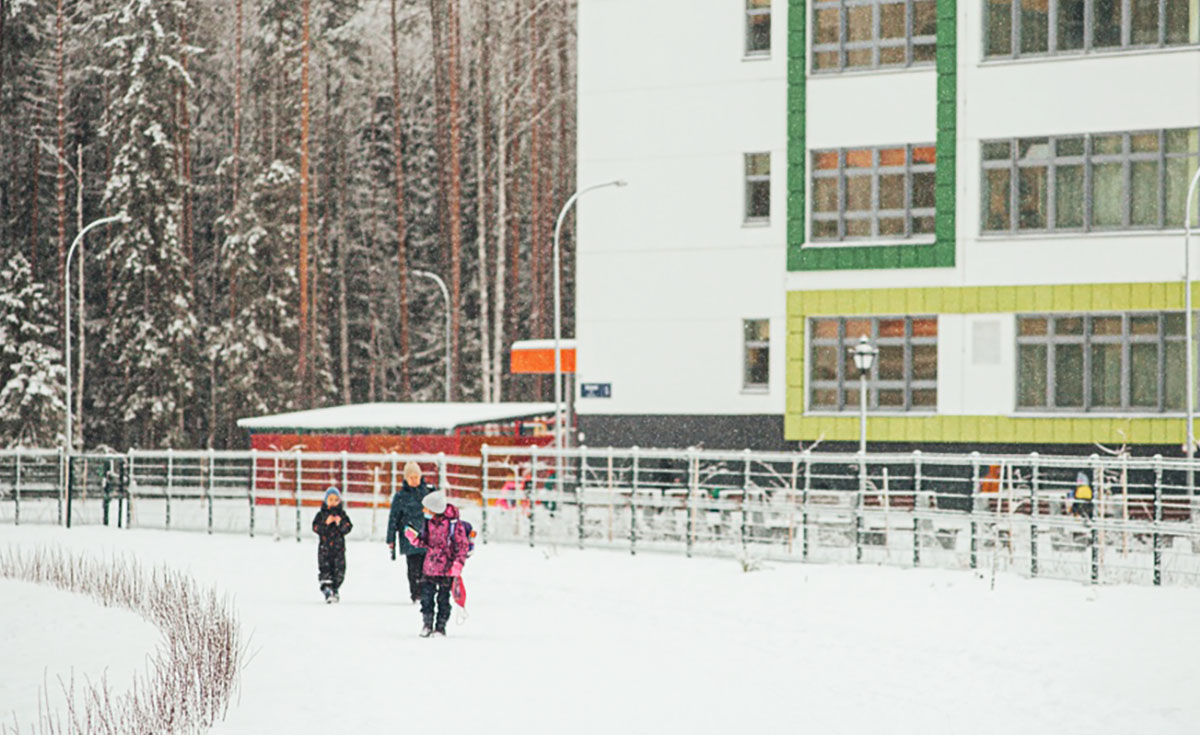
(1191,347)
(558,390)
(446,296)
(70,439)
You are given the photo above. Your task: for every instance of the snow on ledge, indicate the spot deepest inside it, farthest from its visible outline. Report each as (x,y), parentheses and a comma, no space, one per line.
(408,416)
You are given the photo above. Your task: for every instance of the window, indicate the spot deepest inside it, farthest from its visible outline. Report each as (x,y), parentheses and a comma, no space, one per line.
(873,193)
(862,34)
(758,27)
(904,377)
(756,354)
(1031,27)
(758,187)
(1101,362)
(1099,181)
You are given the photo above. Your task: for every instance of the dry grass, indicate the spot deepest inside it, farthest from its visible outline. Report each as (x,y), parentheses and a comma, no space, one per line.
(192,676)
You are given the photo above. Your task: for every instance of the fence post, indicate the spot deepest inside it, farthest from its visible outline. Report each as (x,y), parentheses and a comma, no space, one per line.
(171,479)
(212,465)
(917,490)
(17,494)
(633,505)
(531,492)
(483,492)
(579,490)
(1098,481)
(70,467)
(693,486)
(1158,482)
(299,483)
(253,486)
(443,475)
(1035,480)
(62,479)
(745,493)
(971,508)
(130,485)
(804,506)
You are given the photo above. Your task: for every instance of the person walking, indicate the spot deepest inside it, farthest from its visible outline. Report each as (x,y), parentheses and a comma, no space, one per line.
(448,540)
(331,524)
(406,512)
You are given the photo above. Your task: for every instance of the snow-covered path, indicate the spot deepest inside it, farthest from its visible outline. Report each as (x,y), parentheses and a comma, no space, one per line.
(600,642)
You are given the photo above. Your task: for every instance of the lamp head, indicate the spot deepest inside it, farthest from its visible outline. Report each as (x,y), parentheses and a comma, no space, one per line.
(864,354)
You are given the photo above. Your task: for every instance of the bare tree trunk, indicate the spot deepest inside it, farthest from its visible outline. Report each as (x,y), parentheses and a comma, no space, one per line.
(302,366)
(454,202)
(237,147)
(481,158)
(61,120)
(565,167)
(401,221)
(537,313)
(185,148)
(34,204)
(501,221)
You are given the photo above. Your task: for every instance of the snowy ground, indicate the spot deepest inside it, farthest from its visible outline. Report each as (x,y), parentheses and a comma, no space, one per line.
(51,639)
(602,642)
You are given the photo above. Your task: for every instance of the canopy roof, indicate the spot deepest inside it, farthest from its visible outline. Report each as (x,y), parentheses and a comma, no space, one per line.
(400,416)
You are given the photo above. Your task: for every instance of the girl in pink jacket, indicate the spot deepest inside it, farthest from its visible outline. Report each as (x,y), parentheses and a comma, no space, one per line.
(447,541)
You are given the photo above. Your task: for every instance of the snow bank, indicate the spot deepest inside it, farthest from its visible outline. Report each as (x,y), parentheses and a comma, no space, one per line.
(563,641)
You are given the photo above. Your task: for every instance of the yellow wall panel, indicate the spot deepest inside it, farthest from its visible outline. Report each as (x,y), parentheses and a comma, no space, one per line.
(934,301)
(795,376)
(951,300)
(1119,297)
(988,300)
(1174,295)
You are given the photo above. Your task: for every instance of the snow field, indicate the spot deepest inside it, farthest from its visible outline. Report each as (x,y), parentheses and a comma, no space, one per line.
(48,637)
(596,641)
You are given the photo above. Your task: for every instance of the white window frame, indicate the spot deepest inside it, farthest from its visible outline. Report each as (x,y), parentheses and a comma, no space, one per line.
(749,179)
(752,12)
(755,344)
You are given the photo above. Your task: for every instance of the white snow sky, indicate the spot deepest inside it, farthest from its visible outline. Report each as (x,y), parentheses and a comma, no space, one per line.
(567,641)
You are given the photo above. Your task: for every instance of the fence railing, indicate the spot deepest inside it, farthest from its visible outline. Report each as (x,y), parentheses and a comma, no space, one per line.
(980,512)
(969,511)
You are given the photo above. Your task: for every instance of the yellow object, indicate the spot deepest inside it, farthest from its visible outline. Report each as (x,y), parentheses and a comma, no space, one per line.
(1083,492)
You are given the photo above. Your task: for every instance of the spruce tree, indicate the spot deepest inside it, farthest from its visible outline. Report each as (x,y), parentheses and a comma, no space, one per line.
(31,385)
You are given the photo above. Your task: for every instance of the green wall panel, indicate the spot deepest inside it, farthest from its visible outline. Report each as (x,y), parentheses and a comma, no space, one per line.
(940,254)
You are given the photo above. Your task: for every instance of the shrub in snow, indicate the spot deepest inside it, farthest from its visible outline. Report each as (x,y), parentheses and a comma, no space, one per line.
(191,678)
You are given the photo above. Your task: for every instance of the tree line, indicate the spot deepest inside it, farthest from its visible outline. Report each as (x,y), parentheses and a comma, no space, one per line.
(279,169)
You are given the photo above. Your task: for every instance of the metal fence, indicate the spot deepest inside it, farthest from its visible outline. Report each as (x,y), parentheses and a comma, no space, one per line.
(988,513)
(978,512)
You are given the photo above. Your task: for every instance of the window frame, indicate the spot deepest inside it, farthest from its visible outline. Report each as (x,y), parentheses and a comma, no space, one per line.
(1088,160)
(749,179)
(843,46)
(755,344)
(875,214)
(844,383)
(1086,340)
(1088,46)
(750,13)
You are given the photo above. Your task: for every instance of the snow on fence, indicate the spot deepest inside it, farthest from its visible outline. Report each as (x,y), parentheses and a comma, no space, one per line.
(961,511)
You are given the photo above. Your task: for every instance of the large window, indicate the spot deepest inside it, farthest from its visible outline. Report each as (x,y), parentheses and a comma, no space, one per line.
(904,377)
(880,193)
(756,354)
(758,187)
(1030,27)
(862,34)
(758,27)
(1101,362)
(1104,181)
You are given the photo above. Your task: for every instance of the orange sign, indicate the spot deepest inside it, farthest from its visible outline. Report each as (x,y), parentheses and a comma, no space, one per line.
(540,359)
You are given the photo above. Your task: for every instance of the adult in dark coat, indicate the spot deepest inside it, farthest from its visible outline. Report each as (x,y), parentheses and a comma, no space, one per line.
(406,513)
(331,524)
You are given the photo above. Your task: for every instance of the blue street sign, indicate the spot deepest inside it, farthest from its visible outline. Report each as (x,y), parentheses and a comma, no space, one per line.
(595,390)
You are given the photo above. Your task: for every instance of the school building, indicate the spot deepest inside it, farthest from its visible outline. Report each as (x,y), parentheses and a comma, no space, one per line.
(992,192)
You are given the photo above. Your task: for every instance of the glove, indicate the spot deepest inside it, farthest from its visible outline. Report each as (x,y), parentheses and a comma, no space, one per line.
(392,549)
(411,534)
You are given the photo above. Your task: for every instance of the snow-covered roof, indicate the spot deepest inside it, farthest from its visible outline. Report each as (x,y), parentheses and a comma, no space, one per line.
(408,416)
(541,344)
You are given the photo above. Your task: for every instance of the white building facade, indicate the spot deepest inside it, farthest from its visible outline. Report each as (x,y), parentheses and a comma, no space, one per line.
(990,191)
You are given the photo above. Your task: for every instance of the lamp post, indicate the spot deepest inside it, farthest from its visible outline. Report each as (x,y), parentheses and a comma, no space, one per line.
(446,296)
(558,389)
(864,354)
(69,438)
(1187,319)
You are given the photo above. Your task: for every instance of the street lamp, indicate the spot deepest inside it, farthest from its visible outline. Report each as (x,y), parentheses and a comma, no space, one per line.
(446,296)
(70,442)
(558,388)
(864,359)
(1191,347)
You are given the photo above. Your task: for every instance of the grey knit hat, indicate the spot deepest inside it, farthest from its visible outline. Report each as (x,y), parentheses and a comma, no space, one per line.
(436,502)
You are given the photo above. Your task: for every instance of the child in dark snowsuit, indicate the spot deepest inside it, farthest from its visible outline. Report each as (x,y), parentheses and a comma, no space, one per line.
(447,543)
(331,525)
